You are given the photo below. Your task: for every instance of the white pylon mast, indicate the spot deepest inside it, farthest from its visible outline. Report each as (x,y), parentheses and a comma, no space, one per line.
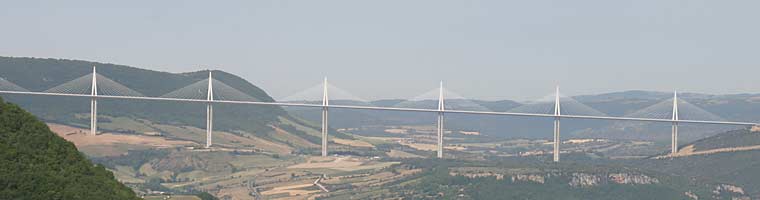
(439,130)
(209,110)
(325,103)
(557,114)
(94,103)
(674,126)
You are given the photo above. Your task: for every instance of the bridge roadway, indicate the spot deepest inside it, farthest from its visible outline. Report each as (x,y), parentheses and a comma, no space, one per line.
(385,108)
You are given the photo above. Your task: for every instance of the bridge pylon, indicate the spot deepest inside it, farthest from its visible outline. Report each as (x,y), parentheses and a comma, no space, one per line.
(674,125)
(209,110)
(557,114)
(325,104)
(94,103)
(439,129)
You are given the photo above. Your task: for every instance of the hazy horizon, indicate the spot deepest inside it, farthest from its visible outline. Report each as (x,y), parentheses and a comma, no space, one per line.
(397,49)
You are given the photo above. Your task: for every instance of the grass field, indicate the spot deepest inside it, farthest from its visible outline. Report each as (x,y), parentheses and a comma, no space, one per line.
(355,143)
(292,190)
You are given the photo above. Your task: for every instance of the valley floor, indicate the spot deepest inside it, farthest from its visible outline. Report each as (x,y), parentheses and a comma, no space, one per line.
(156,163)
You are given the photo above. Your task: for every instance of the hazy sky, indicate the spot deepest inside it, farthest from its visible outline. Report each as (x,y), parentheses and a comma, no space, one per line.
(400,48)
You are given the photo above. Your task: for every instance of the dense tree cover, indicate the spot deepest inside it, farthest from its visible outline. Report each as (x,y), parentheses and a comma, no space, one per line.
(134,158)
(729,139)
(738,168)
(35,163)
(439,183)
(206,196)
(435,182)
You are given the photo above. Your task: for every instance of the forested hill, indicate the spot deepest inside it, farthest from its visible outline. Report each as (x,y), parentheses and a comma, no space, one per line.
(36,74)
(35,163)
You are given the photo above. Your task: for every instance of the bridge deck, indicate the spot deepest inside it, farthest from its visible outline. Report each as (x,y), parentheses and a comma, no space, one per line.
(381,108)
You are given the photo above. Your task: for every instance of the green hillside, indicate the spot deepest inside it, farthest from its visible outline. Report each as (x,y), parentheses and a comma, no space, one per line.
(739,168)
(37,164)
(135,116)
(41,74)
(730,139)
(517,178)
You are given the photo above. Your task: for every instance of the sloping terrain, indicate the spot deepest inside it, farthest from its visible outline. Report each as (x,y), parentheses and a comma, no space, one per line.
(263,150)
(731,139)
(263,128)
(736,168)
(37,164)
(528,179)
(41,74)
(727,157)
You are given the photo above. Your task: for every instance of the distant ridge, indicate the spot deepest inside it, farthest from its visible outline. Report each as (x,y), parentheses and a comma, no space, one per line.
(265,123)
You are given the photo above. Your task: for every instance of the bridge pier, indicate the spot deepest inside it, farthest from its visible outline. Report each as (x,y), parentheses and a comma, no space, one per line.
(324,131)
(209,110)
(209,123)
(440,134)
(557,114)
(94,103)
(325,125)
(674,138)
(93,116)
(439,129)
(557,140)
(674,126)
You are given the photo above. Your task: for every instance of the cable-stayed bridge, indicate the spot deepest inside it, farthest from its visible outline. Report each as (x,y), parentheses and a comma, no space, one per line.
(440,101)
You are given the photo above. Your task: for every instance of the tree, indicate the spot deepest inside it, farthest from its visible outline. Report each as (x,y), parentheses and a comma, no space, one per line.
(35,163)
